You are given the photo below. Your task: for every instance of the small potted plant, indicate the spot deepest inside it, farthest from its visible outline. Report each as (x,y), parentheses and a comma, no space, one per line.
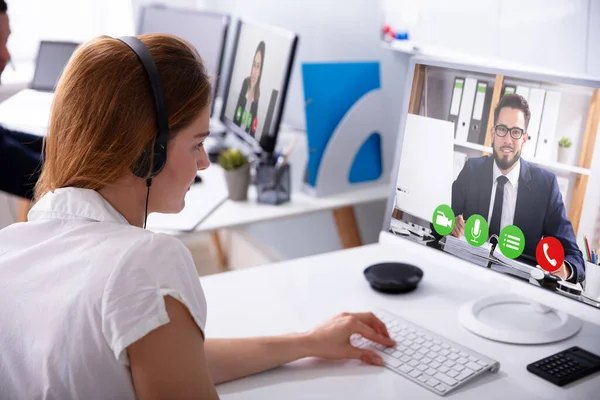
(237,173)
(564,144)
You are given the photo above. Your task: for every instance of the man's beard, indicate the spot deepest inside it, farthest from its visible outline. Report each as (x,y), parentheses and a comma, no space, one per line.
(503,163)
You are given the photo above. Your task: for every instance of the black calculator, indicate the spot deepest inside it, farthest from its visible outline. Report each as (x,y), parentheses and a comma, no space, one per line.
(566,366)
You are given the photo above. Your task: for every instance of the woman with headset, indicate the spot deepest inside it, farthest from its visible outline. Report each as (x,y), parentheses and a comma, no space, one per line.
(94,306)
(247,104)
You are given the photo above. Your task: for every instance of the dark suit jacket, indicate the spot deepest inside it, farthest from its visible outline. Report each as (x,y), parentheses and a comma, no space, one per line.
(539,211)
(20,162)
(242,103)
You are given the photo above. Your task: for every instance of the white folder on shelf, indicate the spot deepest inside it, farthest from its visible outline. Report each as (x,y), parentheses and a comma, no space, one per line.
(466,110)
(547,135)
(523,91)
(536,106)
(457,92)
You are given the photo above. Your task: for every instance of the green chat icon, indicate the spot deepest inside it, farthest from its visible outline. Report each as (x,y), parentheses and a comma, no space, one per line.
(238,113)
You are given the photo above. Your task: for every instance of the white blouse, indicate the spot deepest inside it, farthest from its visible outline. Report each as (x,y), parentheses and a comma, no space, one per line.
(78,285)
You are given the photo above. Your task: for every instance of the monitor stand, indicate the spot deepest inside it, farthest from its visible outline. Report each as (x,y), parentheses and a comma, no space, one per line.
(512,319)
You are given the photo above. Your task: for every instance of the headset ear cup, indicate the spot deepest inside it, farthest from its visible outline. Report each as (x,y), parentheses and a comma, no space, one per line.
(142,165)
(160,158)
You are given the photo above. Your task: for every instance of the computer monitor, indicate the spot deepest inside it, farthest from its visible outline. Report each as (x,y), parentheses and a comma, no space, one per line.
(52,58)
(498,167)
(205,30)
(255,94)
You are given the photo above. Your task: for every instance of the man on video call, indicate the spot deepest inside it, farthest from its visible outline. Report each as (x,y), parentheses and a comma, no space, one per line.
(507,190)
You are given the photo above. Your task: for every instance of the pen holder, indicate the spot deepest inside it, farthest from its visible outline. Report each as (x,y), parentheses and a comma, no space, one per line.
(273,184)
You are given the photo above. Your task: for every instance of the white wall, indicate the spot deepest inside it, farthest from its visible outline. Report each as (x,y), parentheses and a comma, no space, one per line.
(593,54)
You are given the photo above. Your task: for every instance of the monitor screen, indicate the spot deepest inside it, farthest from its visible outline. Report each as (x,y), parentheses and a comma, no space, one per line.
(51,60)
(260,71)
(206,31)
(502,168)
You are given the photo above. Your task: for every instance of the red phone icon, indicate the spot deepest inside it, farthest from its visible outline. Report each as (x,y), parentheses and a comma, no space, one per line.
(254,124)
(550,254)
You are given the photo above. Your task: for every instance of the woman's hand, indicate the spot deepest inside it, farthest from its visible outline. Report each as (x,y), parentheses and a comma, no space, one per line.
(332,339)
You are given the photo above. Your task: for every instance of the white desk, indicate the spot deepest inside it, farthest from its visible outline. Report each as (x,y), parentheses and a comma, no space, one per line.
(29,111)
(297,295)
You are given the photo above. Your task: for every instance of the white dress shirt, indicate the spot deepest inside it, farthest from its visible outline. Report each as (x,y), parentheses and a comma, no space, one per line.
(509,200)
(78,285)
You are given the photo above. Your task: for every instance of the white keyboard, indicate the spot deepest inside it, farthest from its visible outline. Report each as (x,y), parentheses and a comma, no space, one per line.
(430,360)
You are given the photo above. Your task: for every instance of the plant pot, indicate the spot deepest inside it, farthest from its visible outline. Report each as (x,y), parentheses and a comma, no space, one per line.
(238,181)
(563,155)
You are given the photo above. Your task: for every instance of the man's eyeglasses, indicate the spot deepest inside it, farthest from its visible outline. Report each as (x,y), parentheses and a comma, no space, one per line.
(502,130)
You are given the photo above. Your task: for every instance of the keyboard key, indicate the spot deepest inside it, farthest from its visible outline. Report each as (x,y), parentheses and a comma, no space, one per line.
(453,357)
(462,361)
(418,356)
(431,371)
(396,354)
(405,368)
(450,363)
(426,360)
(482,363)
(451,373)
(446,379)
(423,350)
(436,341)
(440,359)
(435,364)
(413,363)
(389,360)
(464,375)
(423,378)
(473,366)
(422,367)
(432,354)
(420,334)
(463,354)
(401,348)
(444,352)
(427,344)
(379,347)
(407,342)
(389,350)
(474,359)
(405,359)
(432,382)
(415,346)
(412,336)
(443,369)
(436,348)
(419,340)
(415,373)
(458,367)
(409,352)
(441,388)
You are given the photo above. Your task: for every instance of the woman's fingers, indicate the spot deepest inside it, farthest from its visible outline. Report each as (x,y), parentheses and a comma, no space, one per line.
(371,320)
(369,333)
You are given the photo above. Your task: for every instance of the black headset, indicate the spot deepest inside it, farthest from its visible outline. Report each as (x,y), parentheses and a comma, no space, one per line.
(154,157)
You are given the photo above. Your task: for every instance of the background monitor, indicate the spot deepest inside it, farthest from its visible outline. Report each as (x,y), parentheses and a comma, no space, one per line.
(52,58)
(205,30)
(260,72)
(455,141)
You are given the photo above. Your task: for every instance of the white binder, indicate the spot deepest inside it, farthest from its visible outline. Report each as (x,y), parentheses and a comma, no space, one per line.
(455,102)
(536,106)
(466,110)
(523,91)
(547,135)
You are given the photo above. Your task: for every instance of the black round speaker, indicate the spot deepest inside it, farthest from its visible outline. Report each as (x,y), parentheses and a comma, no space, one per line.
(393,277)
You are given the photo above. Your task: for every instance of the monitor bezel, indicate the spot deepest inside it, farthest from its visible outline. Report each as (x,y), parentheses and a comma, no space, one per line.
(226,21)
(259,146)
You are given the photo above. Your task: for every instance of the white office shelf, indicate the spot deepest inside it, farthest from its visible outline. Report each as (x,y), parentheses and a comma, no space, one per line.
(473,146)
(542,163)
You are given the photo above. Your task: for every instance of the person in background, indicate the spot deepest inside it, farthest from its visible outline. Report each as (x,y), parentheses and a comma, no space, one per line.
(93,306)
(20,153)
